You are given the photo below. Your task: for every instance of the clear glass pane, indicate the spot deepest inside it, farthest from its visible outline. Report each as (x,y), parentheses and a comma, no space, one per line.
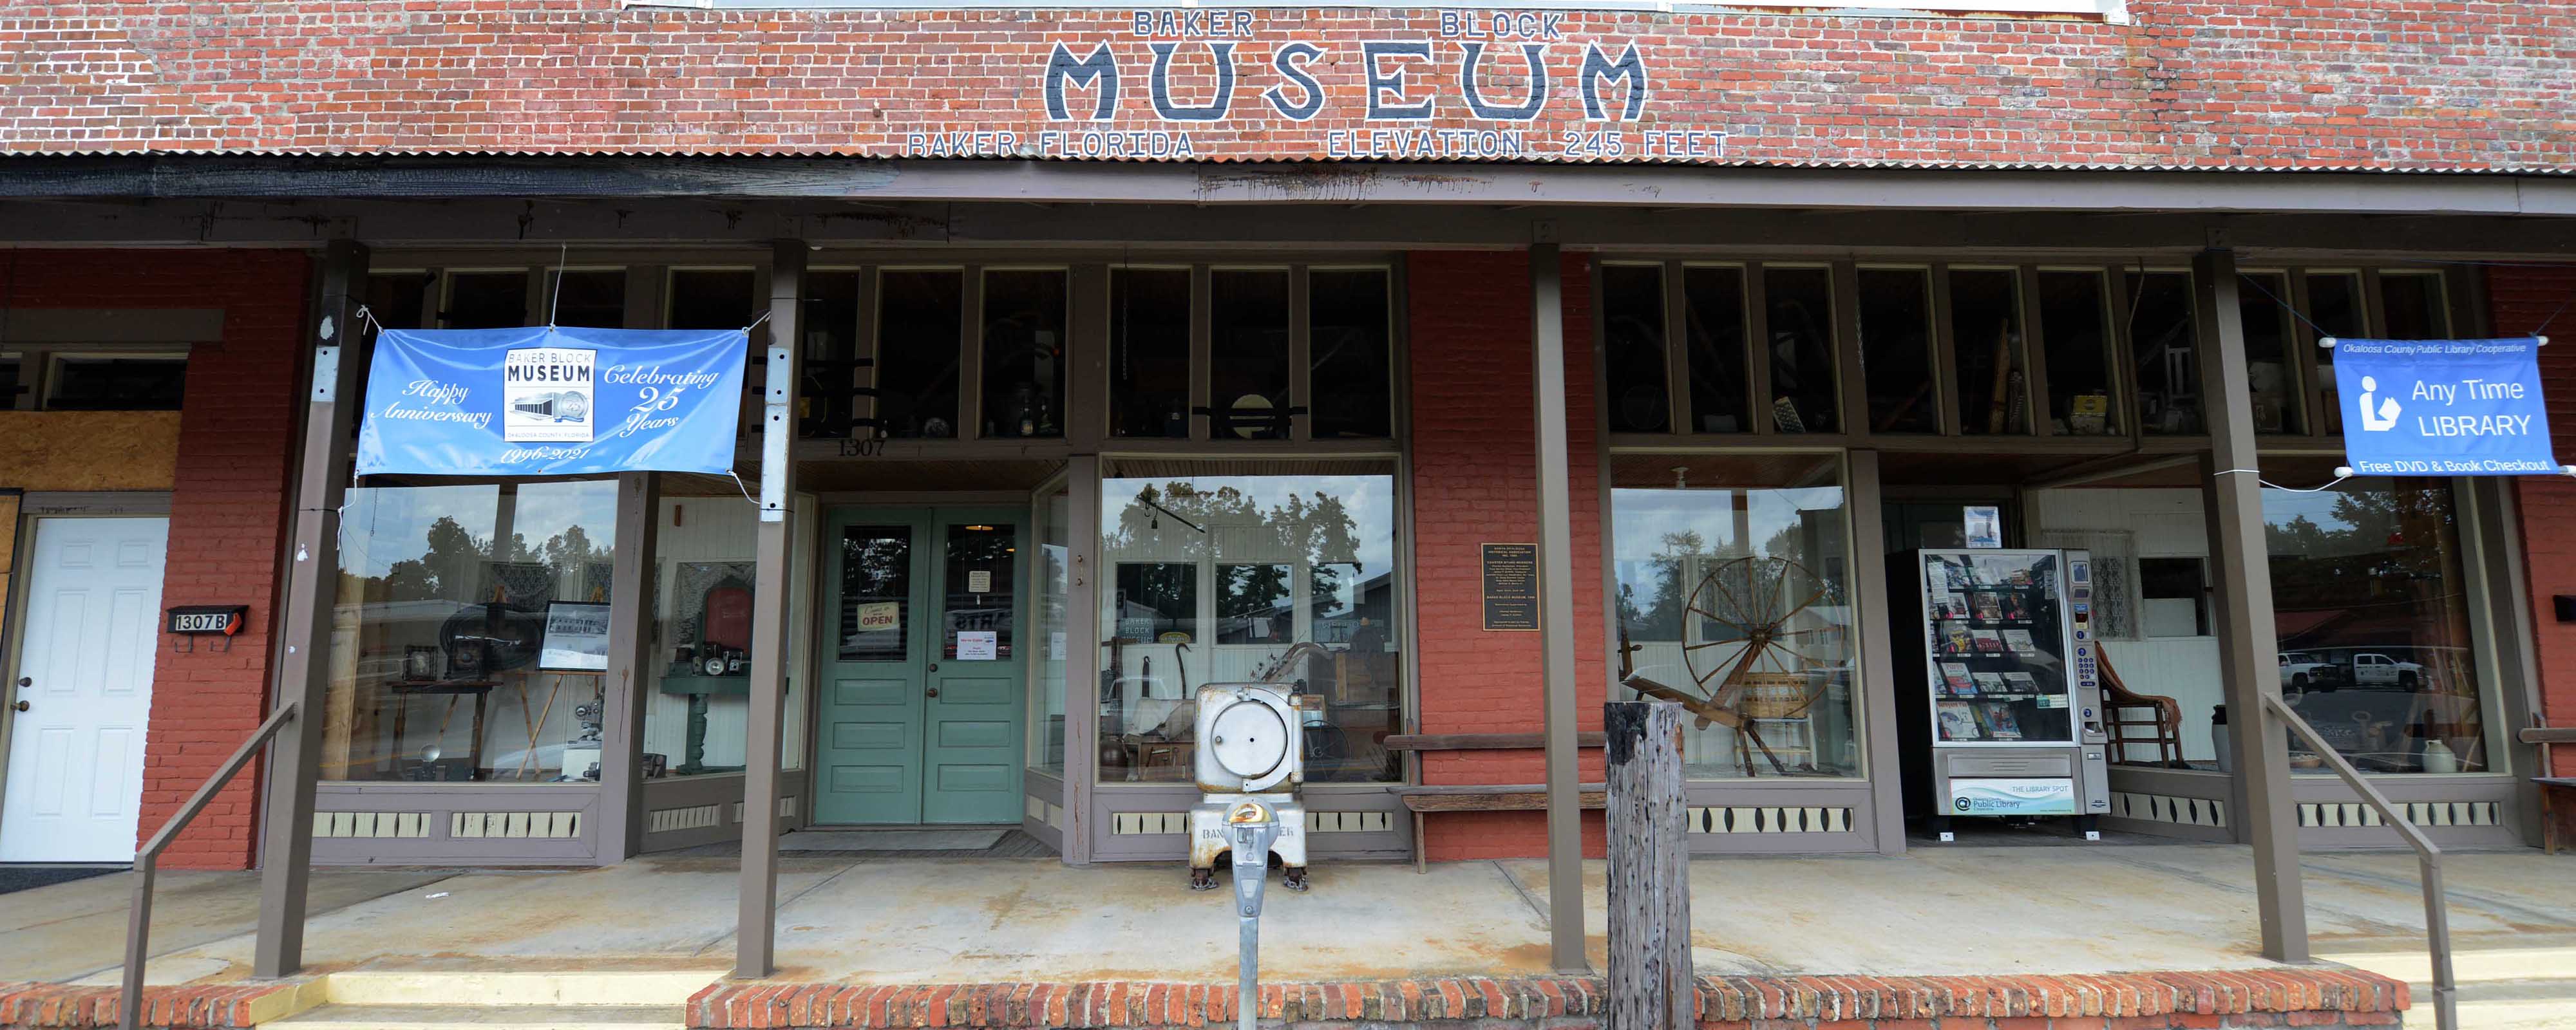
(1055,585)
(2072,323)
(1632,323)
(486,300)
(712,298)
(828,396)
(1799,305)
(699,668)
(436,674)
(2263,308)
(1248,353)
(401,300)
(1896,349)
(1351,339)
(1149,352)
(920,315)
(980,593)
(1713,322)
(2335,308)
(876,594)
(1999,663)
(1024,370)
(116,382)
(2165,344)
(2414,306)
(1734,600)
(2374,625)
(1295,574)
(590,297)
(1985,335)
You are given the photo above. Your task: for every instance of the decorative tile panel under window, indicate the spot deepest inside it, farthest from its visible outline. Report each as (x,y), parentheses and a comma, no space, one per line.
(456,610)
(2373,607)
(921,319)
(1713,320)
(1024,366)
(1149,352)
(2271,371)
(1732,596)
(2074,326)
(1798,308)
(1896,350)
(1248,366)
(1985,336)
(2165,344)
(1351,343)
(1226,577)
(1632,329)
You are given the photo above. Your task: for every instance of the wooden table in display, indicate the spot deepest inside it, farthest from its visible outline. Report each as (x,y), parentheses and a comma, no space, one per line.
(480,690)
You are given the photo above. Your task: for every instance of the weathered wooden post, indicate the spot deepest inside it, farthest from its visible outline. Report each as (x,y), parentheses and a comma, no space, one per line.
(1649,896)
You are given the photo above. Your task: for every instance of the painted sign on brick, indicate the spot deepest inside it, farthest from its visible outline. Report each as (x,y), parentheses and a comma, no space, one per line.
(1468,85)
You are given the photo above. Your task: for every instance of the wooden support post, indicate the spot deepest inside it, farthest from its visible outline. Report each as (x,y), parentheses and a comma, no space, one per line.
(1649,890)
(756,922)
(630,663)
(312,588)
(1556,610)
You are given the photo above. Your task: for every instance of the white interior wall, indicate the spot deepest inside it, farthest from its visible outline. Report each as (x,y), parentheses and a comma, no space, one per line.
(2165,523)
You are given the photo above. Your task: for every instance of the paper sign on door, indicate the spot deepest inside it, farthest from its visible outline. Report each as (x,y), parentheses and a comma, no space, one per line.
(977,645)
(979,581)
(880,616)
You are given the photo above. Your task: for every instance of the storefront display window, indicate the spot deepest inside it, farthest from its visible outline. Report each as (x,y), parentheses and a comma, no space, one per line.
(1232,576)
(2372,610)
(1986,339)
(2270,374)
(1733,597)
(1054,571)
(1713,318)
(470,636)
(1024,366)
(921,316)
(1632,330)
(698,664)
(1896,349)
(2163,343)
(1798,304)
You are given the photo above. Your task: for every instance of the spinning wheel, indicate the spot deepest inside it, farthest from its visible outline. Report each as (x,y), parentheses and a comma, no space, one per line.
(1753,658)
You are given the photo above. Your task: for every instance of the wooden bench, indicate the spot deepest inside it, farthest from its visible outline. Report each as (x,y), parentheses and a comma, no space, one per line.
(2549,785)
(1479,797)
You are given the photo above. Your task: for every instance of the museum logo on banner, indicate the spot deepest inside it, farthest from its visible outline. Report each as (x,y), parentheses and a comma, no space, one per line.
(547,392)
(1150,92)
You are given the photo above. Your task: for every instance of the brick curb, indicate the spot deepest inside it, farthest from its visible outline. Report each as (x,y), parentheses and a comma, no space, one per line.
(2299,997)
(183,1007)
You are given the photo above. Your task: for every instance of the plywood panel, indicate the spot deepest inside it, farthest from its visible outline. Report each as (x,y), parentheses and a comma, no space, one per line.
(89,450)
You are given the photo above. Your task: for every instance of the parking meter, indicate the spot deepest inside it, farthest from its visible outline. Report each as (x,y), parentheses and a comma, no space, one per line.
(1250,828)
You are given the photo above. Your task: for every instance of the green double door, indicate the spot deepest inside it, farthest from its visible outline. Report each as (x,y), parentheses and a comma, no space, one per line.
(922,667)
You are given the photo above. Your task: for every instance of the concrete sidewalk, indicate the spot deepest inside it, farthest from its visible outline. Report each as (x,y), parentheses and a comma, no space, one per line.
(1938,910)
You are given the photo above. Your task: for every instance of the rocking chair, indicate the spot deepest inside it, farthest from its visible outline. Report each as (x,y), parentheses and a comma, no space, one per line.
(2139,720)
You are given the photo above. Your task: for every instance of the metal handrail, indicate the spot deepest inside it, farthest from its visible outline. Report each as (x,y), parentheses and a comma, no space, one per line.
(2437,920)
(138,919)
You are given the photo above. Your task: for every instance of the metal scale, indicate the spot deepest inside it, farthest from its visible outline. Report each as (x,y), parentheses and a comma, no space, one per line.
(1251,748)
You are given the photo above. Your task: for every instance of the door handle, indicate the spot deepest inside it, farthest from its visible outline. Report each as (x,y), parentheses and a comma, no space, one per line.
(22,706)
(934,667)
(930,692)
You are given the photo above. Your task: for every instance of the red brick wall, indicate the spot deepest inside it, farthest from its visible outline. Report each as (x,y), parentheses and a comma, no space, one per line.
(228,508)
(1475,481)
(2522,301)
(2432,84)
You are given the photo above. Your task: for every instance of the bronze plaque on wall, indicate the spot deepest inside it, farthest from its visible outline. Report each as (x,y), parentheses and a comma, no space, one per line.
(1511,586)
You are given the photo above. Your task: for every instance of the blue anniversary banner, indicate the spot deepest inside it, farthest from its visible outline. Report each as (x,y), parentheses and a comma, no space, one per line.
(552,401)
(2443,407)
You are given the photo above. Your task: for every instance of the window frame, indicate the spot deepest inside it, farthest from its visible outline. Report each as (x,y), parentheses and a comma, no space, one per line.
(1202,371)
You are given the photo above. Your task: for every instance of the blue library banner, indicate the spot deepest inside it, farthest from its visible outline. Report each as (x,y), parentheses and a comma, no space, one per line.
(551,400)
(2443,407)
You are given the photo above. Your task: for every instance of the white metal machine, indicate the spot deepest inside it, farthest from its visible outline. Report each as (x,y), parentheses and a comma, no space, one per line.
(1251,747)
(2014,724)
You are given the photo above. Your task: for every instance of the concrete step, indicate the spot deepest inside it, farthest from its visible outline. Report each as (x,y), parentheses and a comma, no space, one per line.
(565,986)
(2537,959)
(2540,1004)
(486,1017)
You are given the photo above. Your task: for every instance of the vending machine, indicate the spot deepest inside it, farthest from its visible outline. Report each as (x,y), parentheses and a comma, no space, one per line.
(2006,698)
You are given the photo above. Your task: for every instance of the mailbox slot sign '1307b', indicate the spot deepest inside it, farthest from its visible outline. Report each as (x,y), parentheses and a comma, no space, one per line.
(1505,85)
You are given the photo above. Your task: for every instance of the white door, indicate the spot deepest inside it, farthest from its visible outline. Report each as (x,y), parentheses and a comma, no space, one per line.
(88,634)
